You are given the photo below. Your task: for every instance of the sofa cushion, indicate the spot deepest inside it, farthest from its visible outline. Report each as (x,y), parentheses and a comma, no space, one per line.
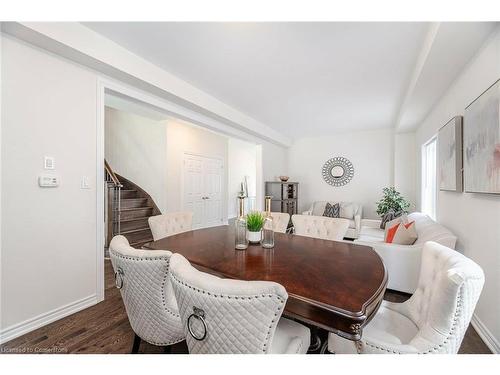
(400,219)
(332,210)
(402,234)
(370,234)
(347,210)
(319,208)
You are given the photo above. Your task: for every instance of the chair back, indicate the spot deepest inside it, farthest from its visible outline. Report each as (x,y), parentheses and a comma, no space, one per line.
(142,277)
(326,228)
(448,289)
(280,221)
(225,316)
(171,223)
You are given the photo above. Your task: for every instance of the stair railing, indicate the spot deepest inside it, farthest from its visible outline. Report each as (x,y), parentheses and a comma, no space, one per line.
(113,209)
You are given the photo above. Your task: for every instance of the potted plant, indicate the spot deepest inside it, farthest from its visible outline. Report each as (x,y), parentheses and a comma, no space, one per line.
(392,201)
(255,222)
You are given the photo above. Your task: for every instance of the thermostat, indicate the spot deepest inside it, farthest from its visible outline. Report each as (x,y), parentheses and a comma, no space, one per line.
(48,181)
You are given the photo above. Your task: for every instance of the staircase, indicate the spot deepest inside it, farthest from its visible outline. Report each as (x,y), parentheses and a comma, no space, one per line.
(129,208)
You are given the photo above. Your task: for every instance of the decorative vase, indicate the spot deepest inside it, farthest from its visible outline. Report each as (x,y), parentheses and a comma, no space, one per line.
(267,229)
(254,237)
(241,242)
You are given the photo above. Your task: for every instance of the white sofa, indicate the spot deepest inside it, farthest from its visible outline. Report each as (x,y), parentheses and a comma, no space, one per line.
(326,228)
(403,261)
(348,210)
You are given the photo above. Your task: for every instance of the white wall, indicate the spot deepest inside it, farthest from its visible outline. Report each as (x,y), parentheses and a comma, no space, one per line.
(136,148)
(48,235)
(474,218)
(241,161)
(371,154)
(49,267)
(183,138)
(405,166)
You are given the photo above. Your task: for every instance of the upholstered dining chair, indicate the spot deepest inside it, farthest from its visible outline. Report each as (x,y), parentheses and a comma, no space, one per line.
(436,316)
(233,316)
(322,227)
(170,223)
(142,277)
(280,221)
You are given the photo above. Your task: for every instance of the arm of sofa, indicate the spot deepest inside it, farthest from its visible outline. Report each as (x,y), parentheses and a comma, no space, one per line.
(402,263)
(357,222)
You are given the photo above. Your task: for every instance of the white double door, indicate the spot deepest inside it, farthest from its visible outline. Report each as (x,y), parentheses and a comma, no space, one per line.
(203,190)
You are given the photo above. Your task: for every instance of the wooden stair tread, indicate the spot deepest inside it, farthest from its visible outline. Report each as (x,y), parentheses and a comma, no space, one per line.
(136,208)
(133,230)
(134,219)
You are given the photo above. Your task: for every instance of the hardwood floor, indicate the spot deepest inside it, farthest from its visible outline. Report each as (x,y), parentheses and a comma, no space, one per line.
(104,328)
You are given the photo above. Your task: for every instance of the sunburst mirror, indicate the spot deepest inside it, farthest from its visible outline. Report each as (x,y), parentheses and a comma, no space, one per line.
(338,171)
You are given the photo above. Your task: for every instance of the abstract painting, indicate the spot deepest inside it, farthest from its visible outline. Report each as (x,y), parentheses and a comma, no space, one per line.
(482,143)
(450,155)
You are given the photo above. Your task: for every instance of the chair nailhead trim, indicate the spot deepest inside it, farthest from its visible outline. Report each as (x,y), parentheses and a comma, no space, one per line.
(280,307)
(118,255)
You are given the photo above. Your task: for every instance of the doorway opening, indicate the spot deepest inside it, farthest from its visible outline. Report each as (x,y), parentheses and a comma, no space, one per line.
(164,162)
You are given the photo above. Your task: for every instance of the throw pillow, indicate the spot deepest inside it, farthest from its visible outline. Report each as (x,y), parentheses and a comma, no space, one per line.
(402,234)
(388,216)
(332,210)
(391,232)
(401,219)
(347,210)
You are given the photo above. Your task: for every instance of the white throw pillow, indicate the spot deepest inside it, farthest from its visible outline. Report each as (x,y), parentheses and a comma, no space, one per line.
(404,235)
(400,219)
(347,210)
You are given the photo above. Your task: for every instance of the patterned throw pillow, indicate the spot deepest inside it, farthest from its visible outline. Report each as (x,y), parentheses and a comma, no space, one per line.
(332,210)
(388,216)
(402,234)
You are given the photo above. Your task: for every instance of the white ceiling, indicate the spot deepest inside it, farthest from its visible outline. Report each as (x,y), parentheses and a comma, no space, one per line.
(306,79)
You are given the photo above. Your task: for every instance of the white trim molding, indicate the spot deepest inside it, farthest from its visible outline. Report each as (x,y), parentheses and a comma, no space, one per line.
(41,320)
(485,334)
(82,45)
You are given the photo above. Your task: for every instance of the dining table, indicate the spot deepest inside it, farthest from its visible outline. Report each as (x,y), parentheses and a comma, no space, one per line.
(334,285)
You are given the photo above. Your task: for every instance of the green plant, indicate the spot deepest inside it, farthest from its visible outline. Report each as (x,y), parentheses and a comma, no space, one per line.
(255,221)
(392,200)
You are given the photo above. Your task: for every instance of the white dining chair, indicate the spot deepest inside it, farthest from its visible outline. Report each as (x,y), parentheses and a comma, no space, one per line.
(142,277)
(232,316)
(280,221)
(322,227)
(436,316)
(171,223)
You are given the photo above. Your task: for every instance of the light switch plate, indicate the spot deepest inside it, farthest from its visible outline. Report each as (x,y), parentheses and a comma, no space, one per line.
(49,162)
(84,183)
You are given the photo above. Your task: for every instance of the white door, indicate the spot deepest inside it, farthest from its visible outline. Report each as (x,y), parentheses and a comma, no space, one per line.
(203,190)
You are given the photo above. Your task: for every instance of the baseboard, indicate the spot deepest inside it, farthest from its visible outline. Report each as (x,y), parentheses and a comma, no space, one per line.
(483,332)
(41,320)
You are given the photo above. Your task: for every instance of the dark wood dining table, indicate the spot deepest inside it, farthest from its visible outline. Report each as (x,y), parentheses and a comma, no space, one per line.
(334,285)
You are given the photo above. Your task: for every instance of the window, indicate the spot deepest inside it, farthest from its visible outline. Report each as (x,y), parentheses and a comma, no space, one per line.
(429,181)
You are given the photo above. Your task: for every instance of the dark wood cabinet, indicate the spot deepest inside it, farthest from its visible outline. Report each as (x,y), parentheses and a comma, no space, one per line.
(284,195)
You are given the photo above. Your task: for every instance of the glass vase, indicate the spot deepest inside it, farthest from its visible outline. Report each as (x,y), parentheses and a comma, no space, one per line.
(267,229)
(240,238)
